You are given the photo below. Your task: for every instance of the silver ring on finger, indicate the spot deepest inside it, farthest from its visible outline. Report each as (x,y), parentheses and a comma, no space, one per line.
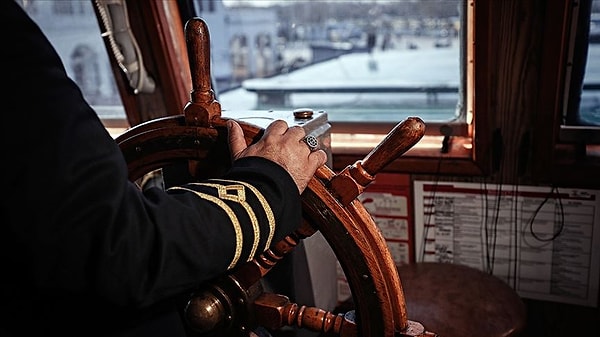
(312,142)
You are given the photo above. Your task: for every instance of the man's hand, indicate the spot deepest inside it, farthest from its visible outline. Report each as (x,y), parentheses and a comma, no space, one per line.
(282,145)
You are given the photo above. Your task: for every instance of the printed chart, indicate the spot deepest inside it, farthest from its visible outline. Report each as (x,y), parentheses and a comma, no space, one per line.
(543,241)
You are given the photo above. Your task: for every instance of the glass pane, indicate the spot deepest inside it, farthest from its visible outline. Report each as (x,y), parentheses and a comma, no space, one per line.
(378,61)
(72,27)
(589,109)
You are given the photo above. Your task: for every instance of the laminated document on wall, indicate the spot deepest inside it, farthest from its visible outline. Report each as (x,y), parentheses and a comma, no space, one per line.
(388,201)
(542,241)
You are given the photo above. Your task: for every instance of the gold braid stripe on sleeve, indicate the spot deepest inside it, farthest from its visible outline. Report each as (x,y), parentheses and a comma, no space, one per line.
(266,208)
(234,221)
(239,196)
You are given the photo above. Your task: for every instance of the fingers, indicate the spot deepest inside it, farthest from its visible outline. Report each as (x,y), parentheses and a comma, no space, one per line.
(318,158)
(278,127)
(295,132)
(302,177)
(282,145)
(237,141)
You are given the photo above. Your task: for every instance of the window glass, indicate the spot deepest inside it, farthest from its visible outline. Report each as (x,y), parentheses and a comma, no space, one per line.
(360,61)
(581,111)
(589,109)
(72,27)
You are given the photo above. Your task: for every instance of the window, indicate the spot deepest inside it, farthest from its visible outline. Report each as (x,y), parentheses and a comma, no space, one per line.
(73,29)
(239,62)
(368,64)
(581,113)
(568,151)
(85,67)
(400,59)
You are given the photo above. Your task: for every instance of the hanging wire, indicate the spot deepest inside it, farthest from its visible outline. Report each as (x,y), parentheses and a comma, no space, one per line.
(494,231)
(515,242)
(553,193)
(484,206)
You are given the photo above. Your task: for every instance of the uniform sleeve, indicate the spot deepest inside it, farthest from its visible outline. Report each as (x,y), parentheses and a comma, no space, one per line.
(73,223)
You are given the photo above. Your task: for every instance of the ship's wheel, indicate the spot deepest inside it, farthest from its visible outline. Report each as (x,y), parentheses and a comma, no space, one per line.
(236,303)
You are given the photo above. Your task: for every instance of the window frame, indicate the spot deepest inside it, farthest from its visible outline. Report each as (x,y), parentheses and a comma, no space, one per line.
(159,31)
(559,162)
(466,155)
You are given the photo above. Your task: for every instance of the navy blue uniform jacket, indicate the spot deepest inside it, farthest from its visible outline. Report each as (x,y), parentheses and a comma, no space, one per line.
(84,251)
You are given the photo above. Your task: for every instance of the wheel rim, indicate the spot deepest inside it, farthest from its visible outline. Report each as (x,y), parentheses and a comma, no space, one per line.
(349,230)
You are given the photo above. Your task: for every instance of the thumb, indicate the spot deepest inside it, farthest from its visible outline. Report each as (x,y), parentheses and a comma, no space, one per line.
(237,142)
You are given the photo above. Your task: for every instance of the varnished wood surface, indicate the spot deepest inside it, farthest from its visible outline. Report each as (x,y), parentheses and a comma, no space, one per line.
(203,107)
(352,181)
(349,229)
(459,301)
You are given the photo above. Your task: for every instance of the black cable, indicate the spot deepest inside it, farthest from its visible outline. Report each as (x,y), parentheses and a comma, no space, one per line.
(483,190)
(491,233)
(553,190)
(484,220)
(515,236)
(497,158)
(495,229)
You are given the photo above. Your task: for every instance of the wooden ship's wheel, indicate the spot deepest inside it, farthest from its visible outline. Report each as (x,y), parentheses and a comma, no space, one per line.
(236,303)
